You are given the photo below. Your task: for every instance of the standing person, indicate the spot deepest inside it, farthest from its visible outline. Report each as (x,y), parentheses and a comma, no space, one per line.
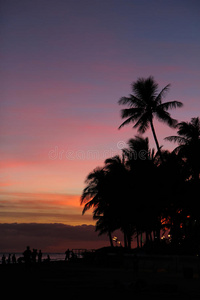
(67,253)
(40,256)
(14,259)
(27,255)
(3,260)
(8,260)
(34,255)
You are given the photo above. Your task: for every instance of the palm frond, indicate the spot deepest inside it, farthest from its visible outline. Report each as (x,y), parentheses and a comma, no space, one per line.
(170,104)
(176,139)
(162,94)
(178,149)
(132,101)
(128,112)
(165,117)
(92,203)
(190,130)
(97,173)
(143,123)
(88,193)
(196,123)
(129,120)
(138,143)
(113,160)
(145,89)
(125,100)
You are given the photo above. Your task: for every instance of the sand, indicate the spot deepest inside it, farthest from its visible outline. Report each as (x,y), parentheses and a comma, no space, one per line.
(84,279)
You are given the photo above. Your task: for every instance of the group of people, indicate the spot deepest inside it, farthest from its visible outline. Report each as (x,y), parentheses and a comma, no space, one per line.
(28,257)
(31,256)
(34,256)
(69,255)
(9,259)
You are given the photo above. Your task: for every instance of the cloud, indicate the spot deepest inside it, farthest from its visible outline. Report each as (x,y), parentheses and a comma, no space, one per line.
(42,208)
(49,237)
(43,198)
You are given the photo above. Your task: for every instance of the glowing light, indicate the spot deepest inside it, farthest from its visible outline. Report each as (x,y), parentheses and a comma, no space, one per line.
(115,239)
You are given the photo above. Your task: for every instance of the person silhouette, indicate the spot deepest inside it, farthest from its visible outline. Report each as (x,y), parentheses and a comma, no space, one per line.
(14,259)
(3,260)
(34,255)
(40,256)
(73,255)
(27,255)
(8,260)
(67,253)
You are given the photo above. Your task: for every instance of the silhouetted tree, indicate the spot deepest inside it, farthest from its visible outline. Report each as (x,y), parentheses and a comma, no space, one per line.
(188,140)
(122,202)
(102,193)
(184,214)
(145,104)
(96,195)
(93,193)
(138,194)
(143,175)
(170,187)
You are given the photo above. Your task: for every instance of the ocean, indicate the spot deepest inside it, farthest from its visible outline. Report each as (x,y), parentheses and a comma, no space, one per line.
(53,256)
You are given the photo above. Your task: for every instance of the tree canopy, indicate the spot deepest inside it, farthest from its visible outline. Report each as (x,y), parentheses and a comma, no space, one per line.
(150,195)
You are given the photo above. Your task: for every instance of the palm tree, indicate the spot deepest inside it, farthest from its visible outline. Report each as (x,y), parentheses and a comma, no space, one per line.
(142,164)
(100,194)
(122,202)
(92,194)
(104,223)
(146,103)
(96,195)
(188,140)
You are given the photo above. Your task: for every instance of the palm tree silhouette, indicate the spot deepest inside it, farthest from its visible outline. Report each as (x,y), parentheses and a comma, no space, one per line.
(146,103)
(93,193)
(188,140)
(142,164)
(122,202)
(98,194)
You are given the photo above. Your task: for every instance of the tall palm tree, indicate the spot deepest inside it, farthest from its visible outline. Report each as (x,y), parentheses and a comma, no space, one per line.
(146,103)
(188,140)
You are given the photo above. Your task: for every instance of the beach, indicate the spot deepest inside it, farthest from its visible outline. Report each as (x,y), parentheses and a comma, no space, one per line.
(79,278)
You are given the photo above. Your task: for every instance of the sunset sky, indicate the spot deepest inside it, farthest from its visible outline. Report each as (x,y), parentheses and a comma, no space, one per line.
(64,66)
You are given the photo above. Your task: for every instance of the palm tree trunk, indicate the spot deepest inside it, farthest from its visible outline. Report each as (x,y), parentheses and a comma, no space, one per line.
(147,237)
(138,244)
(141,239)
(156,140)
(150,236)
(129,241)
(125,240)
(110,238)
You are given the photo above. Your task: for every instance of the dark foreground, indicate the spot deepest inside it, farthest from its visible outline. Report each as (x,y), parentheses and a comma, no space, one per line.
(61,279)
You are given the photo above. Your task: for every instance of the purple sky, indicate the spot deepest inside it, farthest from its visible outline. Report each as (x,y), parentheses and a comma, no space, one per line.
(64,66)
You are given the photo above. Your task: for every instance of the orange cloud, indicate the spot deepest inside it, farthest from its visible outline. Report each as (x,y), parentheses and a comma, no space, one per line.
(41,199)
(43,208)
